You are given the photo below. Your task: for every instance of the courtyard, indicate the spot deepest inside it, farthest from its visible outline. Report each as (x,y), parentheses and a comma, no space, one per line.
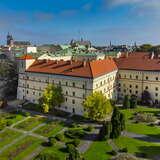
(24,136)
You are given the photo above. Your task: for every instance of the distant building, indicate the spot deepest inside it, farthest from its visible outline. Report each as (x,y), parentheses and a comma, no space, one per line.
(81,43)
(12,43)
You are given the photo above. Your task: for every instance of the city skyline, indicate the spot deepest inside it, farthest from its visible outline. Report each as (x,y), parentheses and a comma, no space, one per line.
(119,21)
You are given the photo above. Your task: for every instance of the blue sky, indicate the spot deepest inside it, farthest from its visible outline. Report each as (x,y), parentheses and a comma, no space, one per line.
(101,21)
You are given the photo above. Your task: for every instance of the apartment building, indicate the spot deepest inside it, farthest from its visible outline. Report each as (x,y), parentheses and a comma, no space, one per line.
(78,79)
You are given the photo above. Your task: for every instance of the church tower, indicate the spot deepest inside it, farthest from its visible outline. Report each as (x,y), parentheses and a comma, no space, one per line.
(10,41)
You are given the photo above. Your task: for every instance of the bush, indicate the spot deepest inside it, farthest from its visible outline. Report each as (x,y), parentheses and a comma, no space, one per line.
(75,133)
(52,141)
(59,137)
(3,123)
(89,128)
(26,114)
(113,153)
(47,156)
(9,123)
(75,142)
(123,150)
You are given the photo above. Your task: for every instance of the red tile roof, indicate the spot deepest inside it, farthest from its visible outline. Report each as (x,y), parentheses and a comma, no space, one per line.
(26,57)
(74,68)
(138,61)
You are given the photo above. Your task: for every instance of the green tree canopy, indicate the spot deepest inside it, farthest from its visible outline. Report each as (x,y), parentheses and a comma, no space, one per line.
(51,98)
(97,106)
(126,102)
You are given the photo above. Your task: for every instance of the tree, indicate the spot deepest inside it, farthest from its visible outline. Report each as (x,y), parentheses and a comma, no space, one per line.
(51,98)
(145,48)
(118,123)
(47,156)
(9,75)
(133,101)
(105,131)
(146,98)
(126,102)
(97,106)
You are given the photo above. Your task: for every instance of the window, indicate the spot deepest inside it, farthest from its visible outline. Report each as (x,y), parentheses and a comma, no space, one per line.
(66,83)
(66,99)
(146,78)
(156,94)
(130,76)
(130,86)
(33,93)
(73,84)
(27,92)
(73,93)
(39,94)
(130,91)
(124,90)
(73,101)
(83,86)
(136,77)
(119,84)
(101,83)
(156,78)
(136,92)
(136,86)
(119,75)
(27,85)
(66,92)
(59,82)
(156,88)
(146,87)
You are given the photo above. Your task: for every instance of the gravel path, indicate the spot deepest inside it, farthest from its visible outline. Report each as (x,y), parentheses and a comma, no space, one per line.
(88,140)
(141,137)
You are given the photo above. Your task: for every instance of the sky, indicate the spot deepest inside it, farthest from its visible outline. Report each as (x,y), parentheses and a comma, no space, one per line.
(101,21)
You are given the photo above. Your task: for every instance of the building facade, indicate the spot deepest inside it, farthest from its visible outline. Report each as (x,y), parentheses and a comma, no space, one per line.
(77,79)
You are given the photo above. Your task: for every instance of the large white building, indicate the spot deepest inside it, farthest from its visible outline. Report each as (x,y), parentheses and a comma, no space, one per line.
(78,79)
(127,75)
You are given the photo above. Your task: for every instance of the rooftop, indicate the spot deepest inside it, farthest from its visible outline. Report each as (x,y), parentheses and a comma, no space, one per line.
(139,61)
(90,69)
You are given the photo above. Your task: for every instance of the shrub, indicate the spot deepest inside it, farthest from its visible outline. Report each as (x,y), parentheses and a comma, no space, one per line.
(75,142)
(89,128)
(123,150)
(26,114)
(9,123)
(47,156)
(113,153)
(59,137)
(75,133)
(52,141)
(3,123)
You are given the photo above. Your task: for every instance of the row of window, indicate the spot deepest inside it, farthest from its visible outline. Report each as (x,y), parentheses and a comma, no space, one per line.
(136,77)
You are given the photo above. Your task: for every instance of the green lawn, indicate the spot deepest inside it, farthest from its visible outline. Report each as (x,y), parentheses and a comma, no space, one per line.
(21,149)
(7,137)
(141,128)
(30,123)
(50,128)
(137,146)
(98,150)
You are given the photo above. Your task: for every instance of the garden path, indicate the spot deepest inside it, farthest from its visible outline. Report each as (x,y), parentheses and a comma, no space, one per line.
(141,137)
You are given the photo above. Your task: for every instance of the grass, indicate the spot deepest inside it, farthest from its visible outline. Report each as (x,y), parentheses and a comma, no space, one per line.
(141,128)
(7,136)
(57,150)
(21,149)
(30,123)
(98,150)
(137,146)
(50,129)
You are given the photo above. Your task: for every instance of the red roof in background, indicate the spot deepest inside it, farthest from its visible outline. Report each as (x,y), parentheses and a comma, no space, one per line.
(74,68)
(138,61)
(25,57)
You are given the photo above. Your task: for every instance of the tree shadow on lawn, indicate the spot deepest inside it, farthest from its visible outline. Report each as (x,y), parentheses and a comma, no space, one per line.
(148,151)
(155,136)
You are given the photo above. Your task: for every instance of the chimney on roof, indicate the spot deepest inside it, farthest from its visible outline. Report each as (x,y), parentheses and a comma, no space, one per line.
(152,55)
(127,55)
(84,63)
